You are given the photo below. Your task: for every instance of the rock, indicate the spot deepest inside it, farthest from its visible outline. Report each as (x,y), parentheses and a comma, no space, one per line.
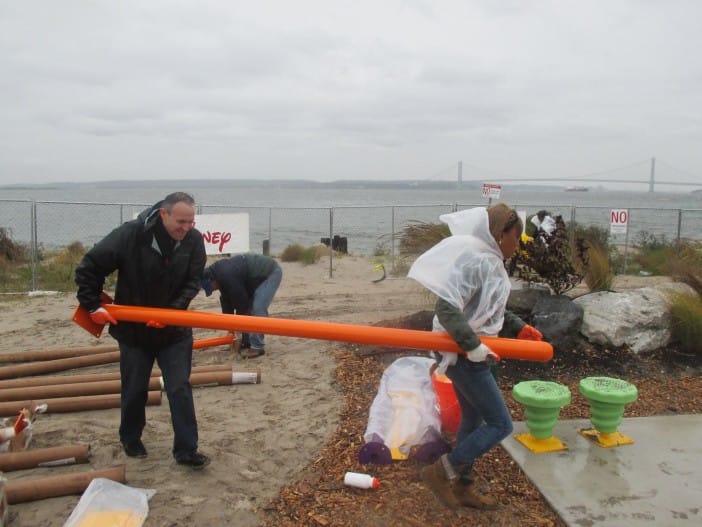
(523,296)
(559,319)
(638,318)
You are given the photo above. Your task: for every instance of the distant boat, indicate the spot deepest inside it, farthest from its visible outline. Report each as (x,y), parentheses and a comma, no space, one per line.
(576,189)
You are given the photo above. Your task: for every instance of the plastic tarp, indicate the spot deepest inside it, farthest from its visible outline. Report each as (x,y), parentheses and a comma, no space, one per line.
(107,503)
(404,412)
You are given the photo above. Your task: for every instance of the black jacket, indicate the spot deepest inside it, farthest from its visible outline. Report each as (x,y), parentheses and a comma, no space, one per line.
(238,278)
(146,277)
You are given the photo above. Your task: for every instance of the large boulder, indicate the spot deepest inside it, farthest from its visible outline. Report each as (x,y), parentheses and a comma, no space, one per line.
(638,318)
(559,319)
(523,296)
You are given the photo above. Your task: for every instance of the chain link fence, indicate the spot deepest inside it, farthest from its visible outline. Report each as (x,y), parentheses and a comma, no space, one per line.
(45,227)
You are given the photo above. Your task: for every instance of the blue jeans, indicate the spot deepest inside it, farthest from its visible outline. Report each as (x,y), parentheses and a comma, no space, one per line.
(263,297)
(175,360)
(485,417)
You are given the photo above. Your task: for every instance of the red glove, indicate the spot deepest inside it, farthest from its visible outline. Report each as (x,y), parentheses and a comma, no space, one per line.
(155,324)
(530,333)
(21,423)
(102,316)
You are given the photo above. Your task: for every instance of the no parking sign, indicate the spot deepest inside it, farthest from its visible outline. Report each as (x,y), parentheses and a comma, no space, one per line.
(618,221)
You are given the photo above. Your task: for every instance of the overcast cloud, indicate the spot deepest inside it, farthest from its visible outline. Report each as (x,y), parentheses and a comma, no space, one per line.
(383,89)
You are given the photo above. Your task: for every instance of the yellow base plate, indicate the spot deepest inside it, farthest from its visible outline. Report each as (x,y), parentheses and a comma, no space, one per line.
(397,455)
(541,446)
(606,440)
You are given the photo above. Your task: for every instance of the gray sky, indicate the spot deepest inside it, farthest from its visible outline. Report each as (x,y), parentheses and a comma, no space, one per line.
(382,89)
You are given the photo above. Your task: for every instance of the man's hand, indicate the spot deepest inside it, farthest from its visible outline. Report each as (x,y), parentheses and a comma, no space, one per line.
(481,354)
(155,324)
(102,316)
(530,333)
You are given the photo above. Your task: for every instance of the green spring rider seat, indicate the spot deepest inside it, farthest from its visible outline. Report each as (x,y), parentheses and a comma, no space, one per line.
(542,402)
(607,397)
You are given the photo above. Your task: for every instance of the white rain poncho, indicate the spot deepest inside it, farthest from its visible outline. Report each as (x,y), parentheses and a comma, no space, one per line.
(466,270)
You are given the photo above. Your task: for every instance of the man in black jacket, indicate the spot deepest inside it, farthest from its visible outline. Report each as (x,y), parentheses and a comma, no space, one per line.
(159,257)
(247,284)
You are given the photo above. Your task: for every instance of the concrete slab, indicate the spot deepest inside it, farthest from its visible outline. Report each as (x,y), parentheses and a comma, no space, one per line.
(657,481)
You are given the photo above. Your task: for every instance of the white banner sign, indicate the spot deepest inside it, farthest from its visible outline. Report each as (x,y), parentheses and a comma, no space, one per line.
(618,221)
(224,233)
(491,190)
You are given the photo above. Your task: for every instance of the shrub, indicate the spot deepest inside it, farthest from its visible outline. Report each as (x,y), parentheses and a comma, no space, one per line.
(687,266)
(298,253)
(57,271)
(654,253)
(10,250)
(686,315)
(418,237)
(292,253)
(549,257)
(598,271)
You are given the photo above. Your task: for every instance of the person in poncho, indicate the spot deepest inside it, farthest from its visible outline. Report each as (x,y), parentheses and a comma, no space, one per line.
(467,273)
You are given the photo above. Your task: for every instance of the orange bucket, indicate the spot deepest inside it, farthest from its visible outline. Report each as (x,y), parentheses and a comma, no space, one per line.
(449,408)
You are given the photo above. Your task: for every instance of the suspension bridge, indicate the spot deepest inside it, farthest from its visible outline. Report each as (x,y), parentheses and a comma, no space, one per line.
(605,176)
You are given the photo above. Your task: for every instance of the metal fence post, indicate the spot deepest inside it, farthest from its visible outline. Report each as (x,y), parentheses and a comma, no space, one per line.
(270,224)
(679,225)
(331,238)
(34,243)
(392,238)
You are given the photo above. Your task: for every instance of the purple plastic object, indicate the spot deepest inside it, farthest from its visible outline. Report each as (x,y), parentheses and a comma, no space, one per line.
(431,451)
(374,452)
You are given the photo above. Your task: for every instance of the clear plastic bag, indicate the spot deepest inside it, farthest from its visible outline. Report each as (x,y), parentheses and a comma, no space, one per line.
(404,412)
(107,503)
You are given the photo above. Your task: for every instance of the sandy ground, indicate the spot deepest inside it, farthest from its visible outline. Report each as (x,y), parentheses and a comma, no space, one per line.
(259,436)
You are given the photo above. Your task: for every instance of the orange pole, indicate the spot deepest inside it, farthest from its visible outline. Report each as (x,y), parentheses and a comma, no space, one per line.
(46,457)
(73,404)
(224,340)
(401,338)
(46,380)
(53,486)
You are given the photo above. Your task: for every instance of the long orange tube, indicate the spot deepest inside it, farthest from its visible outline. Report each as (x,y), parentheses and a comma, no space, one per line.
(401,338)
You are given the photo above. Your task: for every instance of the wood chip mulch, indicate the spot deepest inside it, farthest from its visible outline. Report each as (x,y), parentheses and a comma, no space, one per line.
(668,383)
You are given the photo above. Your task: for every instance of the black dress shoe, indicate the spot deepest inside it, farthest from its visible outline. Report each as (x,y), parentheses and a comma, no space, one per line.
(193,460)
(135,449)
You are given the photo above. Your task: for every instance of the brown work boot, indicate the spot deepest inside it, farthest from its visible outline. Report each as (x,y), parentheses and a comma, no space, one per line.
(468,494)
(441,479)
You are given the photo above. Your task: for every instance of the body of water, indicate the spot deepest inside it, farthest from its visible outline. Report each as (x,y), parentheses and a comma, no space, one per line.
(366,216)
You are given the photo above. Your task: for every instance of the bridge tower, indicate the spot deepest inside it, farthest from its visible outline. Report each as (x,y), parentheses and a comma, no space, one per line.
(460,174)
(652,179)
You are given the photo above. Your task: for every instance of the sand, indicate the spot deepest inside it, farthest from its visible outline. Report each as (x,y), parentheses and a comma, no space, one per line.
(258,436)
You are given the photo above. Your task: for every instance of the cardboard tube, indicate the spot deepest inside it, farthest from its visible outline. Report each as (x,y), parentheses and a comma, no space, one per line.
(46,380)
(64,485)
(51,354)
(44,457)
(68,390)
(395,337)
(63,353)
(49,366)
(225,378)
(73,404)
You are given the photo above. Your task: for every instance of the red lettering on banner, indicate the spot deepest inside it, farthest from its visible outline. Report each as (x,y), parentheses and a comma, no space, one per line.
(220,238)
